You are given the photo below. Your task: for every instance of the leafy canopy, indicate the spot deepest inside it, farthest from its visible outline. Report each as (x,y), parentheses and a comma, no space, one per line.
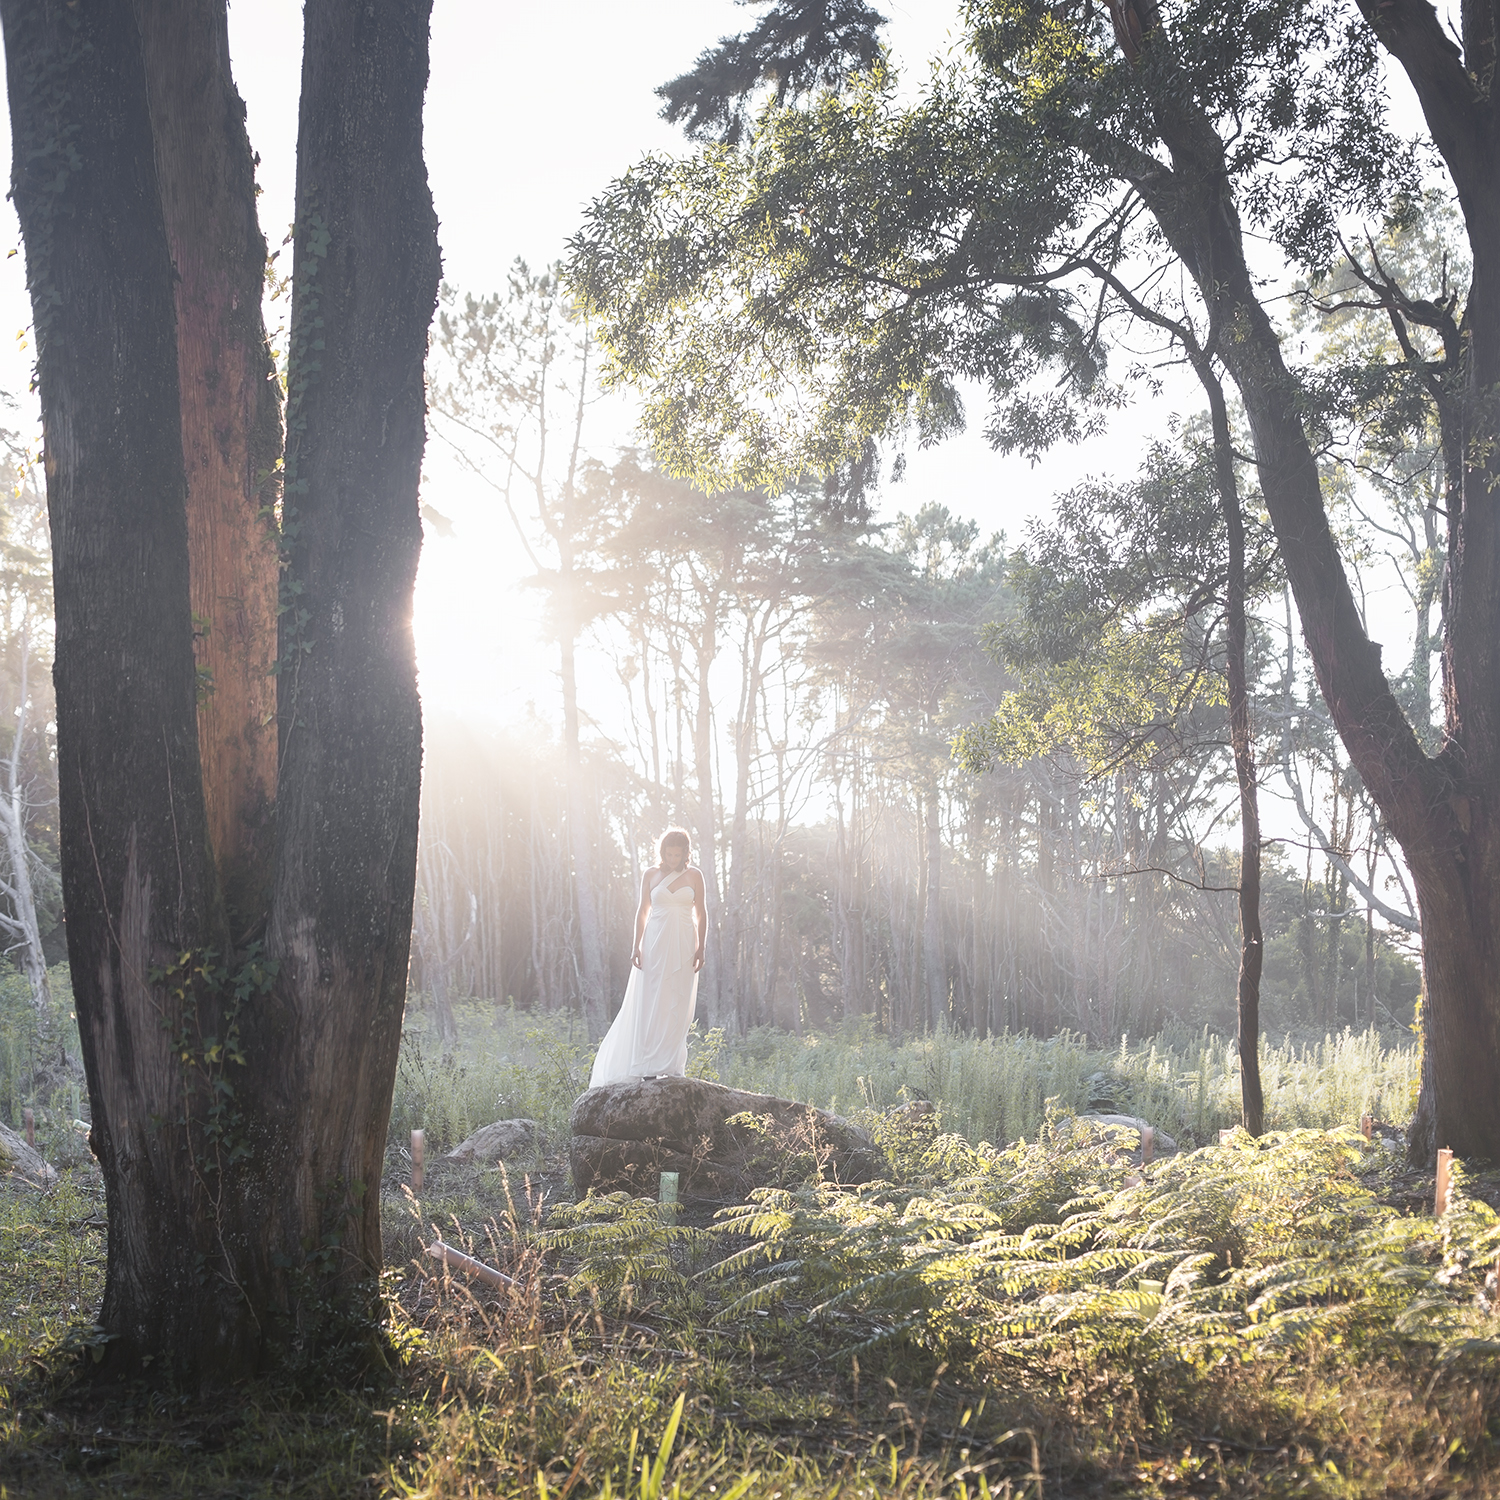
(861,258)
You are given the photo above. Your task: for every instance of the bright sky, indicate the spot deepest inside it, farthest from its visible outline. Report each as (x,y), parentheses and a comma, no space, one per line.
(531,110)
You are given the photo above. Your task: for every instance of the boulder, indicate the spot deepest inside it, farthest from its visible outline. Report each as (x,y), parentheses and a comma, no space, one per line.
(23,1160)
(720,1141)
(501,1139)
(1162,1144)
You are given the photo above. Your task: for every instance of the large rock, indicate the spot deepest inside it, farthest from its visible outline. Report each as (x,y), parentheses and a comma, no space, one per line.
(25,1161)
(495,1142)
(721,1141)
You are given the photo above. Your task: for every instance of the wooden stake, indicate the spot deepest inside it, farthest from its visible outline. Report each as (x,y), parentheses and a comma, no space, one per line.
(456,1260)
(1367,1126)
(30,1120)
(1148,1143)
(1444,1166)
(418,1139)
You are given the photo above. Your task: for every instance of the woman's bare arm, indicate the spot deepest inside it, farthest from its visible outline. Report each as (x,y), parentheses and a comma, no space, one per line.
(700,914)
(641,913)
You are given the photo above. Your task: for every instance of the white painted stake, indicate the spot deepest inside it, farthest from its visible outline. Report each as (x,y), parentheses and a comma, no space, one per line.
(668,1195)
(1148,1144)
(418,1140)
(1444,1166)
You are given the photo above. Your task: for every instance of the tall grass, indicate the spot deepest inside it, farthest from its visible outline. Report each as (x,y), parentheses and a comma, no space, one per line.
(506,1063)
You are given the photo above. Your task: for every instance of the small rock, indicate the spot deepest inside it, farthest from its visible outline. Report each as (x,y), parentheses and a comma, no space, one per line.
(494,1142)
(722,1142)
(23,1160)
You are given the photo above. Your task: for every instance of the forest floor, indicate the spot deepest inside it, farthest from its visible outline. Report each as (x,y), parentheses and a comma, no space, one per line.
(565,1384)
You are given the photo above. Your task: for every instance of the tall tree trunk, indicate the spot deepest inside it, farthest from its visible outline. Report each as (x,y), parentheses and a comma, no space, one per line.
(233,1226)
(1441,809)
(138,883)
(231,426)
(934,957)
(590,935)
(737,971)
(365,280)
(707,817)
(1252,948)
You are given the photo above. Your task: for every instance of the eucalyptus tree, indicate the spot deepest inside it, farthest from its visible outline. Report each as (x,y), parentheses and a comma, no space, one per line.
(1130,628)
(861,258)
(238,905)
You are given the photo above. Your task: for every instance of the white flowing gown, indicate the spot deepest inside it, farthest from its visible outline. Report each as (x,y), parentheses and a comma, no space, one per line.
(650,1033)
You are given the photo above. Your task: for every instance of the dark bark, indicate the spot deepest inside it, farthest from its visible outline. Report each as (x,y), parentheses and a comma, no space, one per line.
(138,882)
(231,425)
(1457,872)
(1443,810)
(365,278)
(231,1236)
(1252,947)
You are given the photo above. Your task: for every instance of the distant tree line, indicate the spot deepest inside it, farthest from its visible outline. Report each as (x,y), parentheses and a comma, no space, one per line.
(789,677)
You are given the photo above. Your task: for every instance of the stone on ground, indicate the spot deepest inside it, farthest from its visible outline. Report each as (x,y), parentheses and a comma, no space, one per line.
(497,1141)
(721,1142)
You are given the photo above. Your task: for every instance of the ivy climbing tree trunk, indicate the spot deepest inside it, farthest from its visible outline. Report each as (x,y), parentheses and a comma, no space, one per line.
(239,1090)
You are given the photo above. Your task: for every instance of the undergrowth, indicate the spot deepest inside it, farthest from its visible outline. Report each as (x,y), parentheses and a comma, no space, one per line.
(992,1321)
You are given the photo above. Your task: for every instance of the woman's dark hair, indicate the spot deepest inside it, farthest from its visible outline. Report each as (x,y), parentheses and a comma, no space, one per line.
(672,838)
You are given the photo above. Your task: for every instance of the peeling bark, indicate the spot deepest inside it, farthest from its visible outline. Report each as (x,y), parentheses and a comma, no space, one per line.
(231,425)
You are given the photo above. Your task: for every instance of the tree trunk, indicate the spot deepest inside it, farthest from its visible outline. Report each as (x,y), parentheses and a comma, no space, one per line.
(934,959)
(365,280)
(737,971)
(703,742)
(590,936)
(231,427)
(138,884)
(1442,810)
(1252,949)
(241,1142)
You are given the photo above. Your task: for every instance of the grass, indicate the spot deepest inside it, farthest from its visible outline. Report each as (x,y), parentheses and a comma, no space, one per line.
(905,1340)
(509,1064)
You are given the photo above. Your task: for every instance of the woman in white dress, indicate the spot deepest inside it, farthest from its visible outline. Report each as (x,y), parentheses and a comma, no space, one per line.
(649,1036)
